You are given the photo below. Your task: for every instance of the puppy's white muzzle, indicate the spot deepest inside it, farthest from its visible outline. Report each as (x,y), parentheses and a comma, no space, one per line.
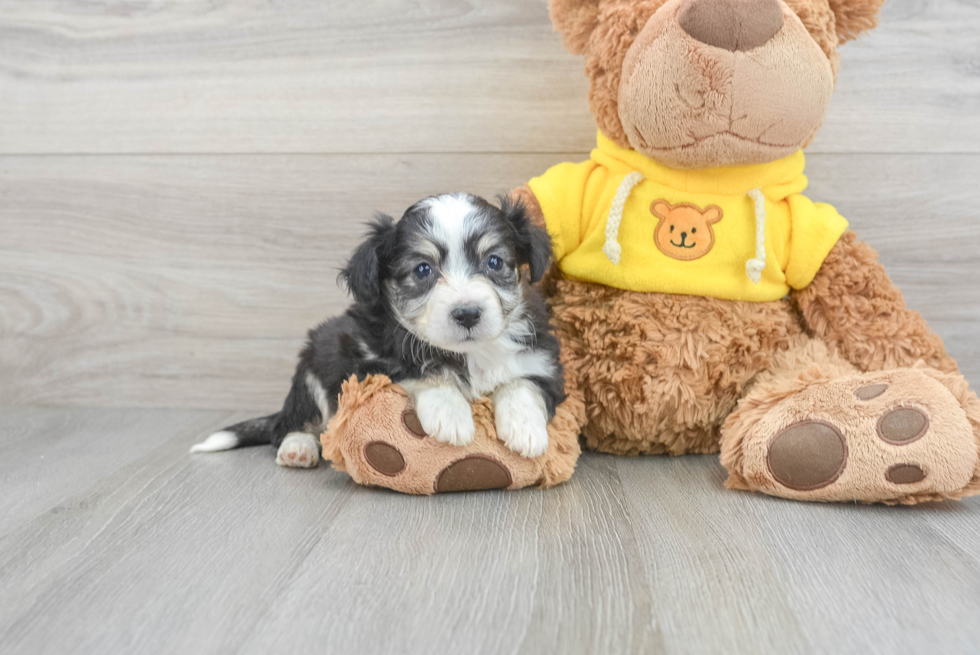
(463,314)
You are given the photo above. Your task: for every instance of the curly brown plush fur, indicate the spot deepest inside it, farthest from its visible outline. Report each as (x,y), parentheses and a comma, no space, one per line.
(660,373)
(854,17)
(853,305)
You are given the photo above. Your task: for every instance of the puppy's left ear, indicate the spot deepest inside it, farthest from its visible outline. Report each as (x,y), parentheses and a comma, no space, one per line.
(533,243)
(363,273)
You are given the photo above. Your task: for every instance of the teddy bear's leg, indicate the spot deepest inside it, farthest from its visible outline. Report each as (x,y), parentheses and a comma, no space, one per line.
(816,428)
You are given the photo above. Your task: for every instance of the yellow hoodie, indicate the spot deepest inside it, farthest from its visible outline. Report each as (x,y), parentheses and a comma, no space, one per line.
(741,233)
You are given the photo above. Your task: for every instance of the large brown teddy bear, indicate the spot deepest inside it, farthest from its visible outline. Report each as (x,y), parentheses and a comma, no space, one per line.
(703,303)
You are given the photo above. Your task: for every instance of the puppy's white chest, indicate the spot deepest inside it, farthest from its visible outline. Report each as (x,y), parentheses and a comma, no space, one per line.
(499,364)
(487,376)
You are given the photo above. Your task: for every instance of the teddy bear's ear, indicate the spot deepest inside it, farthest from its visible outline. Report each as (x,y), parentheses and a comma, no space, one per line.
(660,209)
(855,17)
(713,214)
(575,20)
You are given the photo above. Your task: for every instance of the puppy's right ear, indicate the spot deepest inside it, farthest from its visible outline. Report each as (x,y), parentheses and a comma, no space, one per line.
(533,242)
(363,273)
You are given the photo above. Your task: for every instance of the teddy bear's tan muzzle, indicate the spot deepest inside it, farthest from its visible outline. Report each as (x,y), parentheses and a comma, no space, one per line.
(723,83)
(734,25)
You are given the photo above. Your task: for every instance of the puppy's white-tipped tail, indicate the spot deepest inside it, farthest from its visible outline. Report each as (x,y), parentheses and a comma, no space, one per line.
(217,442)
(254,432)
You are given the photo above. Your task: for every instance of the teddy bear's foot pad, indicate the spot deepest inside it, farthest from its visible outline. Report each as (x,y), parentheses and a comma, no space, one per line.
(473,473)
(899,436)
(808,455)
(378,439)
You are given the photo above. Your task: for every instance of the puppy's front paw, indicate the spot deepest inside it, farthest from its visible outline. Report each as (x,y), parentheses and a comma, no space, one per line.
(445,415)
(522,420)
(298,450)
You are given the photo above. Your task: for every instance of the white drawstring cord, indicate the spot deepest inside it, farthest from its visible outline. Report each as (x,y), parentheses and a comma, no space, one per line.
(754,267)
(613,249)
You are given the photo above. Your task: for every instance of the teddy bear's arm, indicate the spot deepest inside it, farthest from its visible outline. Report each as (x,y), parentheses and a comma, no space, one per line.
(853,305)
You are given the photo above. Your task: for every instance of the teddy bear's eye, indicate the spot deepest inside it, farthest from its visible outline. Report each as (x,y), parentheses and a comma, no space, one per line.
(694,230)
(671,228)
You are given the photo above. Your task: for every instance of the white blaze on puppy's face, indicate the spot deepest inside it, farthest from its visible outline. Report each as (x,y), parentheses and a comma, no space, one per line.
(459,232)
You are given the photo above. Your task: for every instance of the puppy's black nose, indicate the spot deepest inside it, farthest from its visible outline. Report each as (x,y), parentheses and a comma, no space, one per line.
(467,317)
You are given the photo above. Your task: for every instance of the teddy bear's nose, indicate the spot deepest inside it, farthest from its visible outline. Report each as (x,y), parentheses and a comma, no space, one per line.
(735,25)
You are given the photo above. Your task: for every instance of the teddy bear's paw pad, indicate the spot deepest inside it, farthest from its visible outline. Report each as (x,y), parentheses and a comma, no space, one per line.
(411,422)
(903,425)
(298,450)
(473,473)
(384,458)
(871,391)
(808,455)
(887,437)
(905,474)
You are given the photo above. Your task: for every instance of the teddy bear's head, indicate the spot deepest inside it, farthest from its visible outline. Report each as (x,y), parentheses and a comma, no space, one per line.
(705,83)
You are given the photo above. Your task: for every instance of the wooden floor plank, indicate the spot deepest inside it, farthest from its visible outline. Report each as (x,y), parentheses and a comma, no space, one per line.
(49,456)
(173,76)
(554,568)
(738,572)
(190,281)
(177,551)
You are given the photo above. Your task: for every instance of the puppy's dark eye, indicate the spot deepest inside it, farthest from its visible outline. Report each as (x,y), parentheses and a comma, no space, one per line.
(495,263)
(423,271)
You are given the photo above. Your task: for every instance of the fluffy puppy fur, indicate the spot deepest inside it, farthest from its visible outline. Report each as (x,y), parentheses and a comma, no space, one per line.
(443,305)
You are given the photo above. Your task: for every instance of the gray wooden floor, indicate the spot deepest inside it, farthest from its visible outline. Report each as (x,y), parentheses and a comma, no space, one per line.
(174,173)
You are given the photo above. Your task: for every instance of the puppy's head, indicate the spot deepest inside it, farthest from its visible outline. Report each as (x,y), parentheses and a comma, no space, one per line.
(450,269)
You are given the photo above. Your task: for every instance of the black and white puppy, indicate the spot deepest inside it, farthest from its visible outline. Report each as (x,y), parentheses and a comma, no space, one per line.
(443,307)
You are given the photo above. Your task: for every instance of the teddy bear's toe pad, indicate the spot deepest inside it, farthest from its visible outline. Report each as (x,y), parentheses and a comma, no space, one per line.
(905,474)
(473,473)
(385,459)
(903,425)
(885,437)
